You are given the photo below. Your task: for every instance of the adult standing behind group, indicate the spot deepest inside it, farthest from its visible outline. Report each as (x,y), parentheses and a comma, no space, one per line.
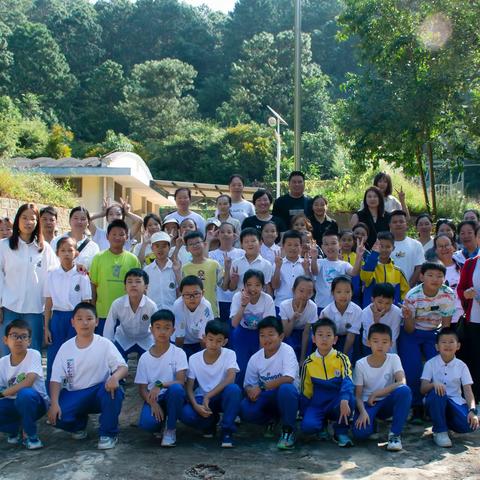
(183,199)
(294,202)
(321,222)
(372,214)
(262,200)
(383,181)
(239,208)
(25,259)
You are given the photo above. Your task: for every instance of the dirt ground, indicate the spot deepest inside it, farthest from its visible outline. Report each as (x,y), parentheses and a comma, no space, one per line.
(139,456)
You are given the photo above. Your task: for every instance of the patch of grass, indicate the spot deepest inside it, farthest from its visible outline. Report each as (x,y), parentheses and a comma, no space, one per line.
(34,187)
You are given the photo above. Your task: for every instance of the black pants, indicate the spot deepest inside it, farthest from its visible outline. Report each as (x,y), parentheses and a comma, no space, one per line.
(470,354)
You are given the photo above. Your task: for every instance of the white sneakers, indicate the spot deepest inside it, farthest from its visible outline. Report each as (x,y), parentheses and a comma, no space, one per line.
(169,438)
(394,442)
(442,439)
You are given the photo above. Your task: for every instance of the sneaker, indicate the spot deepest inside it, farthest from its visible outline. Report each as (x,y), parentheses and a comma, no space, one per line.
(33,443)
(106,443)
(286,440)
(343,440)
(394,442)
(269,430)
(169,438)
(442,439)
(14,439)
(227,440)
(79,435)
(323,434)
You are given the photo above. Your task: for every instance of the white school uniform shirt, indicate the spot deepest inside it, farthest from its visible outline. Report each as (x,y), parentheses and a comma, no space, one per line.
(79,368)
(208,376)
(191,325)
(100,238)
(162,285)
(261,370)
(309,314)
(328,270)
(452,277)
(289,271)
(163,369)
(23,273)
(234,254)
(373,379)
(348,322)
(258,263)
(133,327)
(407,255)
(453,375)
(393,318)
(198,219)
(254,312)
(11,375)
(85,257)
(268,253)
(241,210)
(67,289)
(183,255)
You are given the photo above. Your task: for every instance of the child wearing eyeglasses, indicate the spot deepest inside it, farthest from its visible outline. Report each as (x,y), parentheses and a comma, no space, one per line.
(23,397)
(192,312)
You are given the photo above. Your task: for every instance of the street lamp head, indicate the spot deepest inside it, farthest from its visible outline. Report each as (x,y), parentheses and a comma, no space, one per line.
(272,121)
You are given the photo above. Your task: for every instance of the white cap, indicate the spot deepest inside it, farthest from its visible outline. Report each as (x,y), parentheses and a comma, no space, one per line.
(213,221)
(161,237)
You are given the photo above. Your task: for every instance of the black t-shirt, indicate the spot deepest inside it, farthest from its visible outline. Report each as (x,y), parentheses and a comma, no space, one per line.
(320,228)
(287,207)
(255,222)
(381,225)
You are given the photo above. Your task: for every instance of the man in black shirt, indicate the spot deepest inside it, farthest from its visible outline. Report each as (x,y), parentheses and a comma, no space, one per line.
(294,202)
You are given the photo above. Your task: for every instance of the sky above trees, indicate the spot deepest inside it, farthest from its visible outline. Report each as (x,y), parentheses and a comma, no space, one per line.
(223,5)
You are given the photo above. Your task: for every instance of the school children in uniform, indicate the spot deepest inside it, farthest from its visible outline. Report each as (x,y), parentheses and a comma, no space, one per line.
(380,388)
(64,289)
(381,310)
(427,307)
(269,236)
(161,373)
(443,379)
(248,308)
(164,273)
(108,271)
(271,384)
(213,370)
(128,321)
(23,398)
(327,386)
(192,312)
(85,379)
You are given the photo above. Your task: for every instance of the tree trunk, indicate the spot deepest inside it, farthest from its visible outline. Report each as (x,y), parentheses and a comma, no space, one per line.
(422,177)
(432,178)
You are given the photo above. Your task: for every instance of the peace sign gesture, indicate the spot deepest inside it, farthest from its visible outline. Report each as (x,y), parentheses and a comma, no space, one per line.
(401,194)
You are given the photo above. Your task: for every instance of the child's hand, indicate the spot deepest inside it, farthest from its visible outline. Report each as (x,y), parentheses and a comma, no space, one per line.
(54,412)
(176,265)
(125,205)
(440,389)
(314,251)
(179,242)
(253,393)
(407,313)
(469,294)
(473,421)
(245,300)
(234,276)
(206,403)
(377,314)
(147,238)
(361,249)
(153,395)
(345,412)
(111,385)
(48,336)
(201,410)
(306,262)
(376,246)
(82,269)
(372,399)
(363,420)
(401,195)
(227,262)
(157,412)
(278,260)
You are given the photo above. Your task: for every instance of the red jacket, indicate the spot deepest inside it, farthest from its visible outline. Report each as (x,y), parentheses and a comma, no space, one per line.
(466,282)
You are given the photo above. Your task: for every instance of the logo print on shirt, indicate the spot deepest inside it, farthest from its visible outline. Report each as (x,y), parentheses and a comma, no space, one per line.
(201,275)
(116,271)
(145,317)
(171,285)
(338,373)
(77,288)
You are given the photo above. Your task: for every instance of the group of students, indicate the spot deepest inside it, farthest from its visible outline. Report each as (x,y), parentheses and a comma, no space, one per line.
(222,332)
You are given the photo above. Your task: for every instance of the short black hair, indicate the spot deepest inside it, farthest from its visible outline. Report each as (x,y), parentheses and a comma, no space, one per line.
(331,232)
(151,216)
(272,322)
(234,176)
(50,210)
(84,306)
(252,273)
(440,267)
(260,193)
(383,289)
(137,272)
(249,232)
(217,327)
(341,279)
(397,213)
(20,324)
(386,236)
(381,328)
(163,315)
(63,240)
(423,215)
(107,211)
(190,280)
(324,322)
(178,190)
(191,235)
(291,234)
(471,223)
(117,223)
(79,209)
(304,278)
(296,173)
(446,331)
(361,225)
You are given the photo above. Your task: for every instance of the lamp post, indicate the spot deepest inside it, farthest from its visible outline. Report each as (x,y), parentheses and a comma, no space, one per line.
(297,127)
(276,121)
